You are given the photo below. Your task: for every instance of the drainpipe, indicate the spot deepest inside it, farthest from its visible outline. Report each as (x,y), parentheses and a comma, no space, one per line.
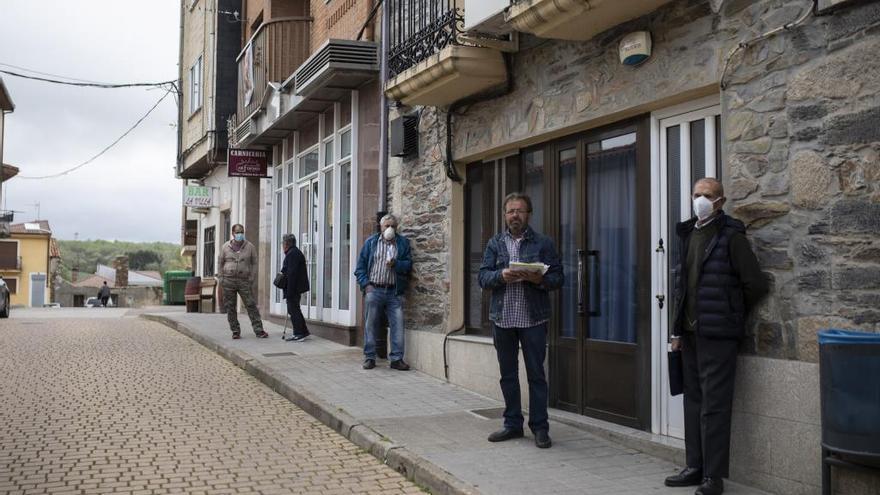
(383,113)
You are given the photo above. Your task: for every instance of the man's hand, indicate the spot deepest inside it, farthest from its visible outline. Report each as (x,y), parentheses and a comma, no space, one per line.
(390,263)
(533,277)
(511,276)
(676,343)
(369,288)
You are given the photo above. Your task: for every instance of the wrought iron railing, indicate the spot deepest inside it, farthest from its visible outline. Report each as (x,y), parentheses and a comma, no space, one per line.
(419,29)
(6,216)
(10,264)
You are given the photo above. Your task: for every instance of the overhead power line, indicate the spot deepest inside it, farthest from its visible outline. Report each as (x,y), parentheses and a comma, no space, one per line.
(111,145)
(84,84)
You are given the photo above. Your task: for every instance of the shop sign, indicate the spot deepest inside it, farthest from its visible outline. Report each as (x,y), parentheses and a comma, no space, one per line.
(248,163)
(198,196)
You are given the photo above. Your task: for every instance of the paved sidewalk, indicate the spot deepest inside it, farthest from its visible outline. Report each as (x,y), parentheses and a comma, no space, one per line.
(432,431)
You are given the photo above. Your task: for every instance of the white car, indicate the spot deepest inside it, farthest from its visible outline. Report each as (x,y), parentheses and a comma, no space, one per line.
(92,302)
(4,299)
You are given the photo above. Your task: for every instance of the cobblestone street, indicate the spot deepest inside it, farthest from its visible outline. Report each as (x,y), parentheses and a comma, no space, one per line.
(124,405)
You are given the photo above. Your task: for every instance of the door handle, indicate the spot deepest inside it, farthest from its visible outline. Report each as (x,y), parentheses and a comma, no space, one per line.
(594,283)
(580,282)
(661,267)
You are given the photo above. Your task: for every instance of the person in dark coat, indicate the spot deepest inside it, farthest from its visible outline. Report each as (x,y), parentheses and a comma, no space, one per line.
(294,269)
(719,282)
(104,294)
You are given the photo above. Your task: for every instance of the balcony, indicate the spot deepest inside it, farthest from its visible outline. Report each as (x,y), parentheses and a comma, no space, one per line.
(428,63)
(10,264)
(575,19)
(271,56)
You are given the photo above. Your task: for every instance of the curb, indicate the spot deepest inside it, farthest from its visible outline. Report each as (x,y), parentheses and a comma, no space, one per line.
(411,465)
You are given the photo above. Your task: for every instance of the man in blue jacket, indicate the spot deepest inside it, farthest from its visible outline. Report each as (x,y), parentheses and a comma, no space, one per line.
(382,272)
(519,310)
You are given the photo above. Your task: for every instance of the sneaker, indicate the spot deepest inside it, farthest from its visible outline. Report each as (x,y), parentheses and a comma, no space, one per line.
(299,338)
(369,364)
(236,336)
(262,335)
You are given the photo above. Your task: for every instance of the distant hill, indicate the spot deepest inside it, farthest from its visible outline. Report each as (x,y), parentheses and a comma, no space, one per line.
(85,255)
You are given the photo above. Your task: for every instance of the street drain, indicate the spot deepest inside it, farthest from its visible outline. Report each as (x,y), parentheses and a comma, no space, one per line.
(491,413)
(279,354)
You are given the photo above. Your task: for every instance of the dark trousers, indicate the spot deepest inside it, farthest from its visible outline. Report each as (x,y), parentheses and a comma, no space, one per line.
(534,347)
(104,301)
(296,316)
(709,369)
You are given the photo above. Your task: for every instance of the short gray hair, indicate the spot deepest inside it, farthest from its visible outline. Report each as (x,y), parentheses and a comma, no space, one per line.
(389,217)
(288,240)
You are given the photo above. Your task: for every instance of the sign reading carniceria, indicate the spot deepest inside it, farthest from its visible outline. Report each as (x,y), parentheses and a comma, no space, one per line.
(247,163)
(198,196)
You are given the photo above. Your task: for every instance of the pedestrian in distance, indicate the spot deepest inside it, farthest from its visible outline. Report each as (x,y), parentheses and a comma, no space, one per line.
(237,269)
(382,272)
(719,282)
(104,294)
(519,311)
(297,283)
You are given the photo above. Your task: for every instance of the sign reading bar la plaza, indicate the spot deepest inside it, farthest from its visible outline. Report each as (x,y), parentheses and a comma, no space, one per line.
(198,197)
(248,163)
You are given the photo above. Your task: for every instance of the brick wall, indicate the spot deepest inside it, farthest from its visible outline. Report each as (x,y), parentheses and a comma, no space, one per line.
(338,19)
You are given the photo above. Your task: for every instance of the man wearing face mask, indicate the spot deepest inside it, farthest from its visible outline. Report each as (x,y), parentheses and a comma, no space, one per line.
(382,272)
(237,267)
(719,282)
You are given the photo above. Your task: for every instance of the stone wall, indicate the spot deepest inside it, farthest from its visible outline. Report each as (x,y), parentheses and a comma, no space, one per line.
(801,127)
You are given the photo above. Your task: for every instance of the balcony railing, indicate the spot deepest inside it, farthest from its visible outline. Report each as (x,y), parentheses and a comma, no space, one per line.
(419,29)
(6,216)
(271,55)
(10,264)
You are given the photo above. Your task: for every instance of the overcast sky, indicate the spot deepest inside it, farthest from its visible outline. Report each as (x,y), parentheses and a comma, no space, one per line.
(130,192)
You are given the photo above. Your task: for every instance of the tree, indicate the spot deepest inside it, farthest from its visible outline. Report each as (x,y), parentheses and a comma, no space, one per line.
(143,259)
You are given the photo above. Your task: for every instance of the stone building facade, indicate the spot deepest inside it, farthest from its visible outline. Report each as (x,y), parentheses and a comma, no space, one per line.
(789,122)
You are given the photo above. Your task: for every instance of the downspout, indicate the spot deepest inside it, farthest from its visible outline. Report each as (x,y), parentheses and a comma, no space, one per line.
(179,90)
(383,112)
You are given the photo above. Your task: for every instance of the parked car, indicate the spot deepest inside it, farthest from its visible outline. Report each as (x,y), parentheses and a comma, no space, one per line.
(4,299)
(93,302)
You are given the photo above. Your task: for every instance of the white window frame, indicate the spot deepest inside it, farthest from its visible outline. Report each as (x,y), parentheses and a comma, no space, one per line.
(195,86)
(330,314)
(680,115)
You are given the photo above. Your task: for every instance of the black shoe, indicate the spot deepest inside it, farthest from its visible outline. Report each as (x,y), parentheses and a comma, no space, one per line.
(711,486)
(399,365)
(505,434)
(369,364)
(299,338)
(542,439)
(236,335)
(687,477)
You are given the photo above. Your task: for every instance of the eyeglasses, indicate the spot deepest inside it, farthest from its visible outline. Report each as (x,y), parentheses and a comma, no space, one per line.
(515,212)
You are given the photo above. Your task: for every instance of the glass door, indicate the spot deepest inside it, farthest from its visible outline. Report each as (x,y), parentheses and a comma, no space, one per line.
(308,235)
(600,346)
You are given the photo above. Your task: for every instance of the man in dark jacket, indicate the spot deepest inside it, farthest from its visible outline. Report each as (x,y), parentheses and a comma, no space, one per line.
(519,310)
(104,294)
(294,269)
(719,282)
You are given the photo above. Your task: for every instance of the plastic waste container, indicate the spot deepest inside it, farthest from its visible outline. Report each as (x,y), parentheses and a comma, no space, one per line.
(849,369)
(174,285)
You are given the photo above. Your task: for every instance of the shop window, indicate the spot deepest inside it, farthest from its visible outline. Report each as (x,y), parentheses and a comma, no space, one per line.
(210,256)
(486,186)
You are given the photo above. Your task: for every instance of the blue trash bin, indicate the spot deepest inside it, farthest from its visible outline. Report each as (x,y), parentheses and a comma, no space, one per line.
(849,369)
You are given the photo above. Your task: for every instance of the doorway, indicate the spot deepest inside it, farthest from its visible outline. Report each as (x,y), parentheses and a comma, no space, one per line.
(600,343)
(687,146)
(38,290)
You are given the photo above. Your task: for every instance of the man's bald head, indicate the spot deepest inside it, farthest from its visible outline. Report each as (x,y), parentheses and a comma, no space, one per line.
(713,184)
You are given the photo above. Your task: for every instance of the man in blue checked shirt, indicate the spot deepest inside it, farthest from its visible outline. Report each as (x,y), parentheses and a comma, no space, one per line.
(519,311)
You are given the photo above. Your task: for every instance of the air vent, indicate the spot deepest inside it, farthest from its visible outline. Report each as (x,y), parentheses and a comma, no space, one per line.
(342,64)
(404,136)
(244,130)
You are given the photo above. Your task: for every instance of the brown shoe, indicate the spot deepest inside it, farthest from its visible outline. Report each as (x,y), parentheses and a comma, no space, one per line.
(236,335)
(262,335)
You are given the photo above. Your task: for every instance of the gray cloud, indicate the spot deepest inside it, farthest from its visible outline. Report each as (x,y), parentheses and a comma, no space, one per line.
(130,193)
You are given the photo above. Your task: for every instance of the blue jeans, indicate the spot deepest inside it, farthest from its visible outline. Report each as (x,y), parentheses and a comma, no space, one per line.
(377,301)
(534,346)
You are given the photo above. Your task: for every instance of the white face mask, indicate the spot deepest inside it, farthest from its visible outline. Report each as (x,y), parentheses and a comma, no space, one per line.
(703,207)
(388,234)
